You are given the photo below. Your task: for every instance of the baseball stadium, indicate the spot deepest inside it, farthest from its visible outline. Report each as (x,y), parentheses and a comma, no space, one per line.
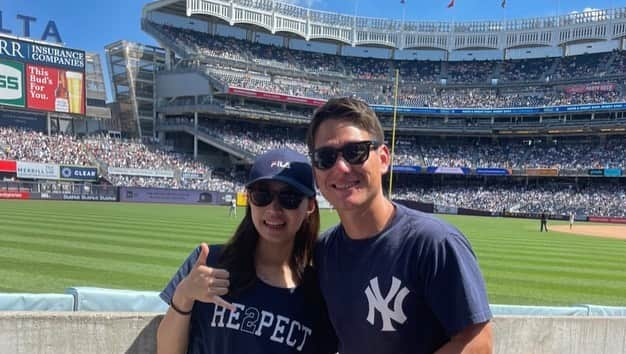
(490,124)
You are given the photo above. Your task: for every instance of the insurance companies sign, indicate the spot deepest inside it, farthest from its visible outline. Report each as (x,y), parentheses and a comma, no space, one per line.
(12,83)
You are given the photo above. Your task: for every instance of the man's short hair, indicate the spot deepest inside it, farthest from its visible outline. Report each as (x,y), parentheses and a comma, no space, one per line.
(348,109)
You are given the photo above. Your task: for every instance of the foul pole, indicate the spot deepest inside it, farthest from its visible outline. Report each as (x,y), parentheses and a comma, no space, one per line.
(393,133)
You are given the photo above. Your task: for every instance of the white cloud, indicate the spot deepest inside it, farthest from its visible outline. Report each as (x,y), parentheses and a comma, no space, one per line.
(586,9)
(305,3)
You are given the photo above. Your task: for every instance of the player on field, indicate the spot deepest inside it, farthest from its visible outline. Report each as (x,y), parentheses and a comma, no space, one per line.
(232,209)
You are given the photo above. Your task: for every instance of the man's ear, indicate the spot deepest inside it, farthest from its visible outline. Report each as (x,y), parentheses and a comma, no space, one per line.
(385,158)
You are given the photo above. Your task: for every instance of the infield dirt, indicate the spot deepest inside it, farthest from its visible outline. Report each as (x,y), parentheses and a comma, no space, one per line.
(611,231)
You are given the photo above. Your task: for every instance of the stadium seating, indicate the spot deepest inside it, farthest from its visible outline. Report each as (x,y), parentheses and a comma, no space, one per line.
(535,82)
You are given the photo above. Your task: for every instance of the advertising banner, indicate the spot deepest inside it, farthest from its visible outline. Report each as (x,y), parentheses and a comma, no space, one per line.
(14,195)
(445,209)
(141,172)
(595,172)
(35,170)
(79,173)
(54,90)
(192,175)
(242,199)
(590,88)
(604,219)
(8,166)
(275,97)
(612,172)
(42,77)
(542,171)
(175,196)
(407,169)
(12,83)
(493,171)
(448,170)
(500,111)
(90,197)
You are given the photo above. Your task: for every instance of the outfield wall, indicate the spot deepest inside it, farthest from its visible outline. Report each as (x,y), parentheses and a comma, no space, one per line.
(122,332)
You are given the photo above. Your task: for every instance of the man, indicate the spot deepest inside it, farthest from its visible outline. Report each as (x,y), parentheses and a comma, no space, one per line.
(232,210)
(395,280)
(571,220)
(544,223)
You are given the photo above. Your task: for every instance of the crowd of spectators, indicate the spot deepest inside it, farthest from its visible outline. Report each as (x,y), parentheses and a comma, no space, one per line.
(103,152)
(421,84)
(470,153)
(38,147)
(557,199)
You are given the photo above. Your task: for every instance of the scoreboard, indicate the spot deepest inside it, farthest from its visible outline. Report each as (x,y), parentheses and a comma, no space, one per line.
(41,77)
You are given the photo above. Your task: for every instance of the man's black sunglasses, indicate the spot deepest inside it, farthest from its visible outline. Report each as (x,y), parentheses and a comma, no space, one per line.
(287,199)
(355,153)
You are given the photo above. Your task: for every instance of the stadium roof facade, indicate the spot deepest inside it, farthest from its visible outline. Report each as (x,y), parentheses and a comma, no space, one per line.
(312,25)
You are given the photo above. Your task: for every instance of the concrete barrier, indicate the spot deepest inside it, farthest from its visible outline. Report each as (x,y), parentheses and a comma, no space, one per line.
(559,335)
(78,332)
(119,332)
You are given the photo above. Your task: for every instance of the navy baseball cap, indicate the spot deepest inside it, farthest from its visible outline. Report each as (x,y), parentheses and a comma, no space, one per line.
(284,165)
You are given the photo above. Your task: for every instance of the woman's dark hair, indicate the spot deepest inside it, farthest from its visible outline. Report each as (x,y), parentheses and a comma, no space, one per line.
(237,255)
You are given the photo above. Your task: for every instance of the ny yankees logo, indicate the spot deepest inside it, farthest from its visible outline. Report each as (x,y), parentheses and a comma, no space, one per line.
(377,302)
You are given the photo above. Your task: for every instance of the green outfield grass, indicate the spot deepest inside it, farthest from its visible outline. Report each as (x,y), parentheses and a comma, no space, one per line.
(47,246)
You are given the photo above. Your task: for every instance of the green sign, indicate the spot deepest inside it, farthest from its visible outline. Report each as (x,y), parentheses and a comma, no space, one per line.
(12,83)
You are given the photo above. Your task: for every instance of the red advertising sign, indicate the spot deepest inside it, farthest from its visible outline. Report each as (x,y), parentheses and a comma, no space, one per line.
(54,90)
(275,96)
(8,166)
(611,220)
(40,85)
(590,88)
(14,195)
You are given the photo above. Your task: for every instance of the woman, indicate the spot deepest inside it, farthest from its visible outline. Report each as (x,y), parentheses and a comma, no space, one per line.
(257,293)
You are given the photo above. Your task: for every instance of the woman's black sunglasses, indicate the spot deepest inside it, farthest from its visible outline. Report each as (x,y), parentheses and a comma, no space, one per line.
(287,199)
(355,153)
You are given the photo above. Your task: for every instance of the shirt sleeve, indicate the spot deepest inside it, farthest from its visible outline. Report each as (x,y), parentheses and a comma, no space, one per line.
(455,288)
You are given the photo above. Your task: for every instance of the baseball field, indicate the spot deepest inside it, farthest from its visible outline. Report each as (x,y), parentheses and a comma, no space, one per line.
(47,246)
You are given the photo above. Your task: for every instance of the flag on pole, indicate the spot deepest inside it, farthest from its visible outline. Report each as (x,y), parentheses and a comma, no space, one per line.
(451,3)
(503,3)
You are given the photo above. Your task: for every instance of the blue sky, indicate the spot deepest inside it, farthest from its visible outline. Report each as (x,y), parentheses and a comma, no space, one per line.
(90,25)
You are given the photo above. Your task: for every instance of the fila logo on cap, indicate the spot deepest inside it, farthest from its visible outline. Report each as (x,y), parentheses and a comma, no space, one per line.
(280,164)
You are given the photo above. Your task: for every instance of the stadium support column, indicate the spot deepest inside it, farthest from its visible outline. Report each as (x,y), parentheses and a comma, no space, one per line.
(160,122)
(48,123)
(195,134)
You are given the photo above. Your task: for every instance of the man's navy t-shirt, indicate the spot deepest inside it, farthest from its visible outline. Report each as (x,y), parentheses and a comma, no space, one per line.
(268,319)
(407,290)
